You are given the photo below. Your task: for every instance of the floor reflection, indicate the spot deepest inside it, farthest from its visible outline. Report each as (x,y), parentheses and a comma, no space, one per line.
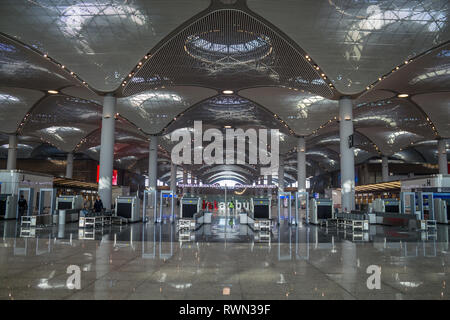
(222,260)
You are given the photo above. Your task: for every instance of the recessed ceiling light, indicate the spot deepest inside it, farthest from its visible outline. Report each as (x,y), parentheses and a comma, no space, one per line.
(227,92)
(53,91)
(403,95)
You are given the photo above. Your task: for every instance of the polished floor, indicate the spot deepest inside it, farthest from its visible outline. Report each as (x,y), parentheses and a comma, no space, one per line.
(222,261)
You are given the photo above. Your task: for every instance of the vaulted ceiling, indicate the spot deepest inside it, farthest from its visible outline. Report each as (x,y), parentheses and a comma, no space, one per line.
(288,62)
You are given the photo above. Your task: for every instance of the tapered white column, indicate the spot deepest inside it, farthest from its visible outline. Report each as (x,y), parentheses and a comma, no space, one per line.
(107,150)
(442,156)
(69,165)
(173,177)
(385,168)
(185,180)
(347,155)
(301,164)
(269,183)
(153,163)
(12,153)
(191,181)
(281,174)
(261,183)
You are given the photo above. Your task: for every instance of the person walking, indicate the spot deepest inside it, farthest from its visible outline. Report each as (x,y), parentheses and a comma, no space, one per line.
(23,206)
(231,206)
(98,205)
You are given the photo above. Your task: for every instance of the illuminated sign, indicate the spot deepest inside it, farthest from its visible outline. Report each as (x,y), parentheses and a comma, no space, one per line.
(114,176)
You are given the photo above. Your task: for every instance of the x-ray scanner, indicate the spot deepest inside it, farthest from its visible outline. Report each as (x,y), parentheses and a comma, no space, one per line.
(128,208)
(320,210)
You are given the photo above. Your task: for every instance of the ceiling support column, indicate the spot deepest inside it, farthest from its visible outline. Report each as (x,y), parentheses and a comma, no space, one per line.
(173,177)
(442,156)
(301,164)
(281,174)
(385,168)
(269,183)
(107,150)
(261,183)
(69,165)
(191,181)
(12,153)
(184,179)
(153,163)
(347,156)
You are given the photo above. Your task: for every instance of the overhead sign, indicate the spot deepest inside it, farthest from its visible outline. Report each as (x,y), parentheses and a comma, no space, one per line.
(114,176)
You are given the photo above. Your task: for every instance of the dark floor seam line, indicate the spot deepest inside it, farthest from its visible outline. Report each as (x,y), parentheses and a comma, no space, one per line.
(331,279)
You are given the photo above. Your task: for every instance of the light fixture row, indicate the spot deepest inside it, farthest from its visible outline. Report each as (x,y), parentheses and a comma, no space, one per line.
(63,67)
(317,68)
(404,63)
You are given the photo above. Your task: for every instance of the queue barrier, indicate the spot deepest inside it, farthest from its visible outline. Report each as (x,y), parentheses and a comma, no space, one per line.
(355,221)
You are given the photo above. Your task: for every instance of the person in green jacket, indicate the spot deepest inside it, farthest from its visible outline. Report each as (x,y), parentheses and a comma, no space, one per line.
(231,206)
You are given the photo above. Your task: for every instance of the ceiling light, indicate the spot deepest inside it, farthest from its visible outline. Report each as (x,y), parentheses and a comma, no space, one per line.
(403,95)
(53,91)
(227,92)
(227,127)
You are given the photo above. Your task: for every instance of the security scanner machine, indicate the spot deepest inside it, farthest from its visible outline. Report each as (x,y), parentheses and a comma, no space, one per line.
(386,205)
(44,217)
(15,183)
(150,206)
(426,218)
(284,197)
(128,208)
(69,202)
(189,210)
(8,203)
(166,197)
(301,204)
(47,200)
(28,194)
(442,208)
(68,209)
(262,214)
(408,203)
(320,210)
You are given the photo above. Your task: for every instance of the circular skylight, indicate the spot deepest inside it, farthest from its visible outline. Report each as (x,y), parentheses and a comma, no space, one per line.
(228,48)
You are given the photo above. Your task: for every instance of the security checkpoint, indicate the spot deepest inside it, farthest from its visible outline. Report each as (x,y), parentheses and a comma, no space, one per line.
(169,198)
(47,200)
(28,194)
(284,197)
(301,205)
(128,208)
(408,202)
(189,210)
(150,205)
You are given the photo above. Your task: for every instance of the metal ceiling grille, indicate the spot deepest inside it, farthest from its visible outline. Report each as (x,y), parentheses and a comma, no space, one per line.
(226,110)
(227,49)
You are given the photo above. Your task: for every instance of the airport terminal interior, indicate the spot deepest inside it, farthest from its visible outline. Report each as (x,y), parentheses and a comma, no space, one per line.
(224,149)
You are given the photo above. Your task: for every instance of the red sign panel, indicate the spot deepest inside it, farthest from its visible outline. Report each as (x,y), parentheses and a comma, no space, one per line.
(114,176)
